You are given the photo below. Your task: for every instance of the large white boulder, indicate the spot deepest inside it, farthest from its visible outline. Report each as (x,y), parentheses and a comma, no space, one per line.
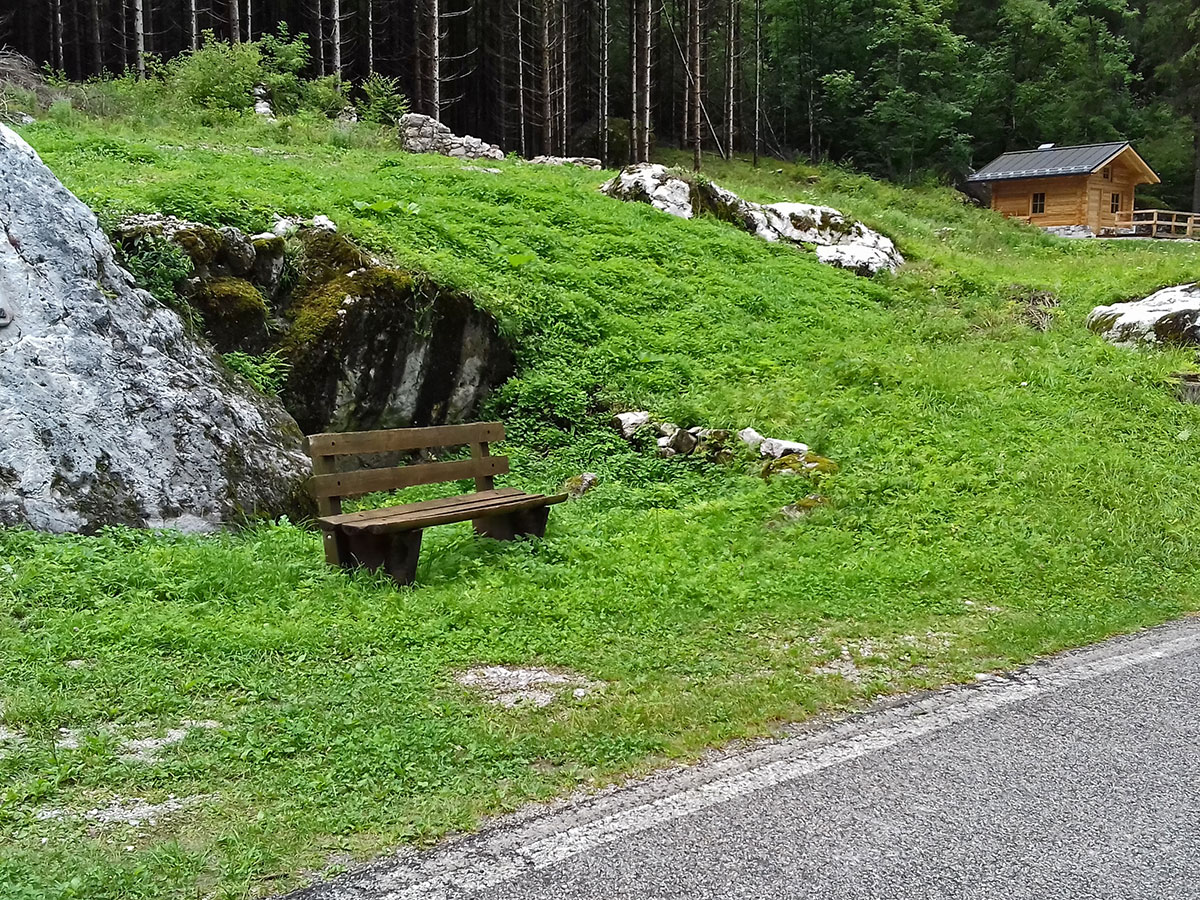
(1171,316)
(837,240)
(113,413)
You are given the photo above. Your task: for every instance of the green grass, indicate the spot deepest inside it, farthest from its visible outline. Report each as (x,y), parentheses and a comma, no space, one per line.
(1003,493)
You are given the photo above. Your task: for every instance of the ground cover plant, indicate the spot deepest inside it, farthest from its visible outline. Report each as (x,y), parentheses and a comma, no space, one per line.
(1008,485)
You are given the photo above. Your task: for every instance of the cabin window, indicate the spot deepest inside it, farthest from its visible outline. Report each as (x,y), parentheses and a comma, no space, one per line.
(1108,173)
(1039,204)
(1116,203)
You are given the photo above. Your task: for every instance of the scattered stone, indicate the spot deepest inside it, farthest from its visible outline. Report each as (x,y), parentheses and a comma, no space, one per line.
(586,162)
(1074,232)
(487,170)
(262,103)
(751,438)
(424,134)
(25,119)
(511,687)
(630,422)
(579,485)
(324,223)
(114,413)
(838,241)
(1171,316)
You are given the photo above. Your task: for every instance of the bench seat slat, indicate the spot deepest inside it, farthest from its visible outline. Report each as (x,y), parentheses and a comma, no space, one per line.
(367,481)
(405,519)
(353,443)
(442,503)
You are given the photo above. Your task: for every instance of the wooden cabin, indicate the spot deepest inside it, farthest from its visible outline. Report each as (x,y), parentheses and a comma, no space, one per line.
(1091,185)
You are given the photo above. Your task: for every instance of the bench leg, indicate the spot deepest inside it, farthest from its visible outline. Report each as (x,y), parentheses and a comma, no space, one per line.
(396,554)
(509,527)
(335,548)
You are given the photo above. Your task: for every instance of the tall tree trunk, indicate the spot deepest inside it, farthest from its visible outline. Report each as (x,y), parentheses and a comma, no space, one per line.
(249,19)
(335,37)
(733,14)
(564,83)
(97,38)
(235,21)
(696,93)
(635,75)
(194,24)
(522,122)
(435,58)
(604,81)
(139,37)
(547,83)
(647,38)
(320,38)
(56,28)
(1196,188)
(370,37)
(758,67)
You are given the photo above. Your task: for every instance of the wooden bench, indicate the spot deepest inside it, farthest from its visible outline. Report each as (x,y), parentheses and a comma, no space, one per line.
(390,539)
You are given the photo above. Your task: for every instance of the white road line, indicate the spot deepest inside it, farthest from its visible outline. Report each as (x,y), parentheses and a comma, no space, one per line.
(476,867)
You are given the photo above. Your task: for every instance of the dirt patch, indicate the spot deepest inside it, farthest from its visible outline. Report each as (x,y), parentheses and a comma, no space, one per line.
(510,687)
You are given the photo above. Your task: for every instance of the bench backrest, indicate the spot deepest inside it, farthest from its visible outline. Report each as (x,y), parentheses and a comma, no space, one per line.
(329,486)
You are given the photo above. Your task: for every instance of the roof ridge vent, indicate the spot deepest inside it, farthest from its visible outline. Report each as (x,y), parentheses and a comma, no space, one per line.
(1049,146)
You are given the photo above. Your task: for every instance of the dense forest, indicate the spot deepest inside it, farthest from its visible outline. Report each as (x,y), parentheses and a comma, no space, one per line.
(900,88)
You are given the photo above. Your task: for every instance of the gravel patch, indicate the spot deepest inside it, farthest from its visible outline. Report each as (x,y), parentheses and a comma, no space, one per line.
(133,811)
(510,687)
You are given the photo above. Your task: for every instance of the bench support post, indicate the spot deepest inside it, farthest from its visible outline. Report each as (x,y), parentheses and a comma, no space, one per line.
(509,527)
(397,554)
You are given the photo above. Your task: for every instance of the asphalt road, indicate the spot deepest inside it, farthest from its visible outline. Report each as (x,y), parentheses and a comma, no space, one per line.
(1077,778)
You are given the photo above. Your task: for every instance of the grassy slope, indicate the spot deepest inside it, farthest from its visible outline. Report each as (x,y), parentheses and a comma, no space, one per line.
(1003,493)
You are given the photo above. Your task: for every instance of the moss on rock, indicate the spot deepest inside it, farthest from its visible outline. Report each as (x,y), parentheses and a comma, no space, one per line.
(235,313)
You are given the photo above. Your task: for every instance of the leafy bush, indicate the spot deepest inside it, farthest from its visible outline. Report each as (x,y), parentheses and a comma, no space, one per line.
(383,103)
(327,95)
(158,266)
(267,373)
(283,59)
(218,75)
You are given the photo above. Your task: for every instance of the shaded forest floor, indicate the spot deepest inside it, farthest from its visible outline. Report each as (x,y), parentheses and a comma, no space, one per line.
(1005,490)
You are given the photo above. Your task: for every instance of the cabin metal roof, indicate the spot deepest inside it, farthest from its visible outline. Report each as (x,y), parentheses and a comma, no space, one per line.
(1055,161)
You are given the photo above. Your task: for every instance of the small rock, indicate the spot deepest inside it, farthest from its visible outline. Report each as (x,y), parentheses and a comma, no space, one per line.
(324,223)
(775,448)
(285,227)
(630,422)
(1171,316)
(683,442)
(579,485)
(751,438)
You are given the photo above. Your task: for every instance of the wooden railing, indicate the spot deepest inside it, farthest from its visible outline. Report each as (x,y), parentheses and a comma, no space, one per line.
(1161,222)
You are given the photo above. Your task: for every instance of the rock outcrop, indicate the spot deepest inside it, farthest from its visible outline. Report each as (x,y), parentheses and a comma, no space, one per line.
(424,134)
(372,346)
(368,345)
(837,241)
(1171,316)
(113,413)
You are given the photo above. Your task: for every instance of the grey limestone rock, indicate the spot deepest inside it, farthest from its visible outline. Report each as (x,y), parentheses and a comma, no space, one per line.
(113,413)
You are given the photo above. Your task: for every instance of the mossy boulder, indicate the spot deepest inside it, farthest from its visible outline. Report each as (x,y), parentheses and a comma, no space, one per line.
(374,346)
(235,313)
(807,464)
